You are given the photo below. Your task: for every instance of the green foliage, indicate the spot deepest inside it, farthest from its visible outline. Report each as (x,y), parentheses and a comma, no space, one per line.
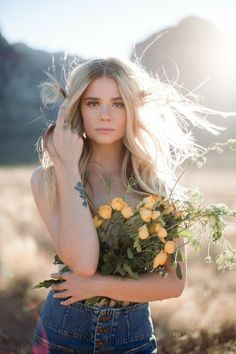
(46,283)
(130,246)
(179,271)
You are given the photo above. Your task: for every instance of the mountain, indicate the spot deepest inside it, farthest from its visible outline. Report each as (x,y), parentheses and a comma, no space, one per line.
(195,47)
(22,116)
(191,53)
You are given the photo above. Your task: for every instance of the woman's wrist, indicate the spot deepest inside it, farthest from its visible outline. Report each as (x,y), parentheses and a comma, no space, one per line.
(100,283)
(67,170)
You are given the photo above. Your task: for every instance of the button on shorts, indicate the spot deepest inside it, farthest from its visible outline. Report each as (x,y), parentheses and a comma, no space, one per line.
(82,329)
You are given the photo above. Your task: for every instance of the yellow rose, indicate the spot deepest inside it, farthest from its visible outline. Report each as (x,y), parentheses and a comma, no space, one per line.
(169,247)
(150,201)
(155,214)
(143,232)
(162,233)
(105,211)
(160,259)
(97,221)
(145,214)
(127,211)
(117,203)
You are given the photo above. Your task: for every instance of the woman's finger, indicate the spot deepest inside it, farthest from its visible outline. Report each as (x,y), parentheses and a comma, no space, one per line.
(68,301)
(59,286)
(60,119)
(58,276)
(67,125)
(61,294)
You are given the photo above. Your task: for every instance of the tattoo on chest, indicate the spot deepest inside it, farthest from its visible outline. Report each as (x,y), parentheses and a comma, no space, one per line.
(79,187)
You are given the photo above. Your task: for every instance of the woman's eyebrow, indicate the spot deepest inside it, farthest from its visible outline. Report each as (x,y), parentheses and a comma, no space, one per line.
(97,98)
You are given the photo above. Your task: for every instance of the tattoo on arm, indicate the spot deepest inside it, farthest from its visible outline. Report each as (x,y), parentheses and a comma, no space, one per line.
(79,187)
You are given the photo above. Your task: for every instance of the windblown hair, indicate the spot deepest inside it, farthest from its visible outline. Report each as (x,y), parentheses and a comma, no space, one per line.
(157,140)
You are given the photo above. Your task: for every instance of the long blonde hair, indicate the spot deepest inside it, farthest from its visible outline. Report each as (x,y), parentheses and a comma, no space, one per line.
(157,139)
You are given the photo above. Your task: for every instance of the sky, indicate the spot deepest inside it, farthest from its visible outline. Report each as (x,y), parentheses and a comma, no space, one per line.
(91,28)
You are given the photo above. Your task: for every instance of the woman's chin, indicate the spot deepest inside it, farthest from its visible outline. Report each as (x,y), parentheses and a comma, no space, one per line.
(105,140)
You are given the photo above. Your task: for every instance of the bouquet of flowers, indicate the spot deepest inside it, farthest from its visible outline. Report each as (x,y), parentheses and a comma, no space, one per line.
(142,239)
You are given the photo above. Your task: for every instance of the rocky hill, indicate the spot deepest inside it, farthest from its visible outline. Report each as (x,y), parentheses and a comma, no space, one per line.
(195,46)
(22,116)
(196,54)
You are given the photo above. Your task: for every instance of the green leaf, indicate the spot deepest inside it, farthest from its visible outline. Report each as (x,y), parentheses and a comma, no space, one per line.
(185,233)
(65,269)
(122,272)
(105,236)
(118,267)
(57,260)
(132,274)
(130,253)
(107,268)
(137,245)
(179,271)
(106,257)
(92,301)
(114,241)
(174,265)
(46,283)
(180,256)
(196,245)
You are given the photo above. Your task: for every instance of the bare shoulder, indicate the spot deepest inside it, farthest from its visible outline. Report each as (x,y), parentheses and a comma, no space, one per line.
(50,216)
(36,177)
(38,190)
(39,193)
(37,184)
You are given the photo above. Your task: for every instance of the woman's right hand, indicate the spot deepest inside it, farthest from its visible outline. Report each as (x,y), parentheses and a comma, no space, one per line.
(64,145)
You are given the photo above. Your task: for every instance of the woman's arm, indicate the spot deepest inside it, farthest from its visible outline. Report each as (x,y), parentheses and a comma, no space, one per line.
(149,286)
(78,239)
(70,223)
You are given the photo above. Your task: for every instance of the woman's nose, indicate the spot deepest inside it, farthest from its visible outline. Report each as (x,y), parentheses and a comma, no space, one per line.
(105,114)
(105,117)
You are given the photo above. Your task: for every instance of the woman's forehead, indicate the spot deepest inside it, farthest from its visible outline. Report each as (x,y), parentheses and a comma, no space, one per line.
(103,86)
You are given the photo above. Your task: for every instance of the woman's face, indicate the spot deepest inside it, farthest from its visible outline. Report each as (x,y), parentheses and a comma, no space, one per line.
(102,107)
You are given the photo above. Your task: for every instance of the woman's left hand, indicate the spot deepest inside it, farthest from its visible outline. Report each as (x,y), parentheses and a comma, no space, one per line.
(76,287)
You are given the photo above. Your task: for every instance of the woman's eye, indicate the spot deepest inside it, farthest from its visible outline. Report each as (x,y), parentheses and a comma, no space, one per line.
(91,103)
(117,104)
(120,104)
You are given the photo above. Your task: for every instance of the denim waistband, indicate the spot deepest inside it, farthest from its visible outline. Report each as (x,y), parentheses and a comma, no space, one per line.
(96,329)
(98,309)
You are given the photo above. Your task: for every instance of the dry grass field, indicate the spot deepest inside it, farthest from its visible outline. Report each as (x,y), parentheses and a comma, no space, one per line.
(202,320)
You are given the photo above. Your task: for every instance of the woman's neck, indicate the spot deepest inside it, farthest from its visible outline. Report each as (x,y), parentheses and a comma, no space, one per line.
(106,158)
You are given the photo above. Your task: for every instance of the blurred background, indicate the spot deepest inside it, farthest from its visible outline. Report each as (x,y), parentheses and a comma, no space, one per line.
(191,42)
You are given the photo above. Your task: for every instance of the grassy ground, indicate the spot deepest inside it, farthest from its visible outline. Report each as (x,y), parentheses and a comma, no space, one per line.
(202,320)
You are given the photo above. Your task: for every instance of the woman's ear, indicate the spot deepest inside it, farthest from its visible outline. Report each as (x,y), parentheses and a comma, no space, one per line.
(84,135)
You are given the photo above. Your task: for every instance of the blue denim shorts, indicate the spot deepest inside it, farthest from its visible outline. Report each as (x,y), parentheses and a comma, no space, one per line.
(82,329)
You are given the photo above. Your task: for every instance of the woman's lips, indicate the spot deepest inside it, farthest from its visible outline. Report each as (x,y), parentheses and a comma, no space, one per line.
(104,130)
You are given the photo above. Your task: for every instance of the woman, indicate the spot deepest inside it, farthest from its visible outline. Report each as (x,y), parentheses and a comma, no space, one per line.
(116,122)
